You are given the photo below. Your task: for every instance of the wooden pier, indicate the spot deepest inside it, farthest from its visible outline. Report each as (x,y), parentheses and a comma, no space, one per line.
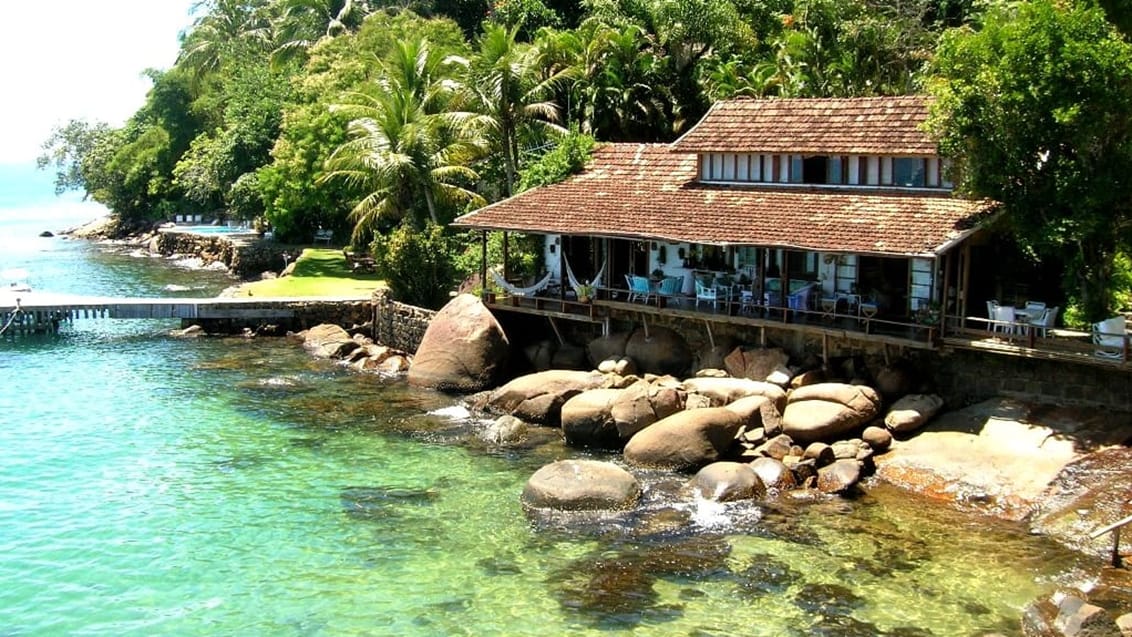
(36,312)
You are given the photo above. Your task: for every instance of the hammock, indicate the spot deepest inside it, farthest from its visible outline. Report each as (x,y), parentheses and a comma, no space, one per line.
(576,284)
(518,291)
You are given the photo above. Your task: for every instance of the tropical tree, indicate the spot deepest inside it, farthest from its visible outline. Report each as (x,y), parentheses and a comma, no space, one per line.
(70,151)
(509,97)
(214,36)
(1034,108)
(299,24)
(403,149)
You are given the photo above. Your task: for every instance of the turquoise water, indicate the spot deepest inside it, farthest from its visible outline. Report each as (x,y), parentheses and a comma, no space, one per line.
(156,486)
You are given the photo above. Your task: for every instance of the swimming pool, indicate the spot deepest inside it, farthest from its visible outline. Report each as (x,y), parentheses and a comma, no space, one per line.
(208,229)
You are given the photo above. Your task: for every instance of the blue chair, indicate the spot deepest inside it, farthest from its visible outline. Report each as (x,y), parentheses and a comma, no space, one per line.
(671,288)
(638,287)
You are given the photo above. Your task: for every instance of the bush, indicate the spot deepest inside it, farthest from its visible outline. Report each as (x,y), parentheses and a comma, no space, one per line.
(417,264)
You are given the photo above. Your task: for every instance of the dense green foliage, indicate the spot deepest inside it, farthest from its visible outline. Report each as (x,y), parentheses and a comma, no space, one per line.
(1034,108)
(378,120)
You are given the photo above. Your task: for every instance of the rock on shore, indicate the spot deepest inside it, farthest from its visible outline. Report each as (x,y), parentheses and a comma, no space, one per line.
(464,349)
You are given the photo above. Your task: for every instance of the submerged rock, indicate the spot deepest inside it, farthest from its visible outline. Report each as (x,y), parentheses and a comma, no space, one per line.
(727,482)
(581,485)
(329,341)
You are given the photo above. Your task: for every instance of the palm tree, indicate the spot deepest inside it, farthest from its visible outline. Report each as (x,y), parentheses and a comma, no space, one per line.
(301,23)
(509,97)
(403,148)
(225,25)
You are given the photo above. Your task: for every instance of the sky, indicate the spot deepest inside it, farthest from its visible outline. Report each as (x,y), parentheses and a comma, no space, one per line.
(79,59)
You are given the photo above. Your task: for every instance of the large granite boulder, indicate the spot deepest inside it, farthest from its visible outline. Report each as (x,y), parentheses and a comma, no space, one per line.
(587,419)
(727,482)
(724,391)
(895,380)
(912,412)
(609,346)
(608,418)
(686,440)
(464,349)
(329,341)
(581,485)
(659,350)
(538,397)
(642,404)
(758,412)
(827,410)
(769,364)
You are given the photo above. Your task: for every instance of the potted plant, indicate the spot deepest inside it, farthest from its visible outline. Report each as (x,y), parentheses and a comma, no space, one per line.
(658,274)
(585,293)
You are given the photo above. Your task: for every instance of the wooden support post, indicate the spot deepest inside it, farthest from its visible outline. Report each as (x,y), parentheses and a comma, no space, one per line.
(483,265)
(710,336)
(965,280)
(506,257)
(645,324)
(825,351)
(762,336)
(947,260)
(557,332)
(562,278)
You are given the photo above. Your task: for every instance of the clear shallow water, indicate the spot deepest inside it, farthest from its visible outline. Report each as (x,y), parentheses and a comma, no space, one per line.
(153,486)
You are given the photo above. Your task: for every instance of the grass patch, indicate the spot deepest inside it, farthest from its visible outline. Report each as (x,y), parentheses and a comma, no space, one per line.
(318,272)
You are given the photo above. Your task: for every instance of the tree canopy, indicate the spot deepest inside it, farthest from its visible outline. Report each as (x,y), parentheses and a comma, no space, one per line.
(1033,108)
(371,118)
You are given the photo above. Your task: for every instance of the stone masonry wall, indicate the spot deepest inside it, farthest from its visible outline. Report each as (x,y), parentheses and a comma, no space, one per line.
(245,258)
(397,324)
(964,377)
(961,377)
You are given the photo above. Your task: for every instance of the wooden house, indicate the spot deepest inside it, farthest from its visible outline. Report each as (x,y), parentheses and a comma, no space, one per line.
(795,211)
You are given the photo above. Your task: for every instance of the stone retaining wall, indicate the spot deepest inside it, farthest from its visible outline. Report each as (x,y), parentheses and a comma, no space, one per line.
(960,377)
(350,315)
(398,325)
(245,258)
(965,377)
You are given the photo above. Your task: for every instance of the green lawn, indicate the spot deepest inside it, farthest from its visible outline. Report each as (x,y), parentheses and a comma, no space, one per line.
(318,272)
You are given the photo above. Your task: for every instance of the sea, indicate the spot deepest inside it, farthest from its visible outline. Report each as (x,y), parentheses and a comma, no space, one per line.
(155,485)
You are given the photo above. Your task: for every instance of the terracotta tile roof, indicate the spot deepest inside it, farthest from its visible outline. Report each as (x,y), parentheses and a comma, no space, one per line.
(862,126)
(646,191)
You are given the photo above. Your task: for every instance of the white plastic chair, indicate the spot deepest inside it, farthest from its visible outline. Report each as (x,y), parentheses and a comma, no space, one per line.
(706,293)
(1110,337)
(1005,320)
(992,305)
(1046,320)
(1035,306)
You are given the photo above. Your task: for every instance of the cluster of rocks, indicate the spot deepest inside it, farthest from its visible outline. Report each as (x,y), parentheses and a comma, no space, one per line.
(741,438)
(358,351)
(1071,615)
(787,429)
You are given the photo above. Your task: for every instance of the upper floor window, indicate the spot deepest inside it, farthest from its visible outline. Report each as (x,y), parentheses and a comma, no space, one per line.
(910,172)
(852,170)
